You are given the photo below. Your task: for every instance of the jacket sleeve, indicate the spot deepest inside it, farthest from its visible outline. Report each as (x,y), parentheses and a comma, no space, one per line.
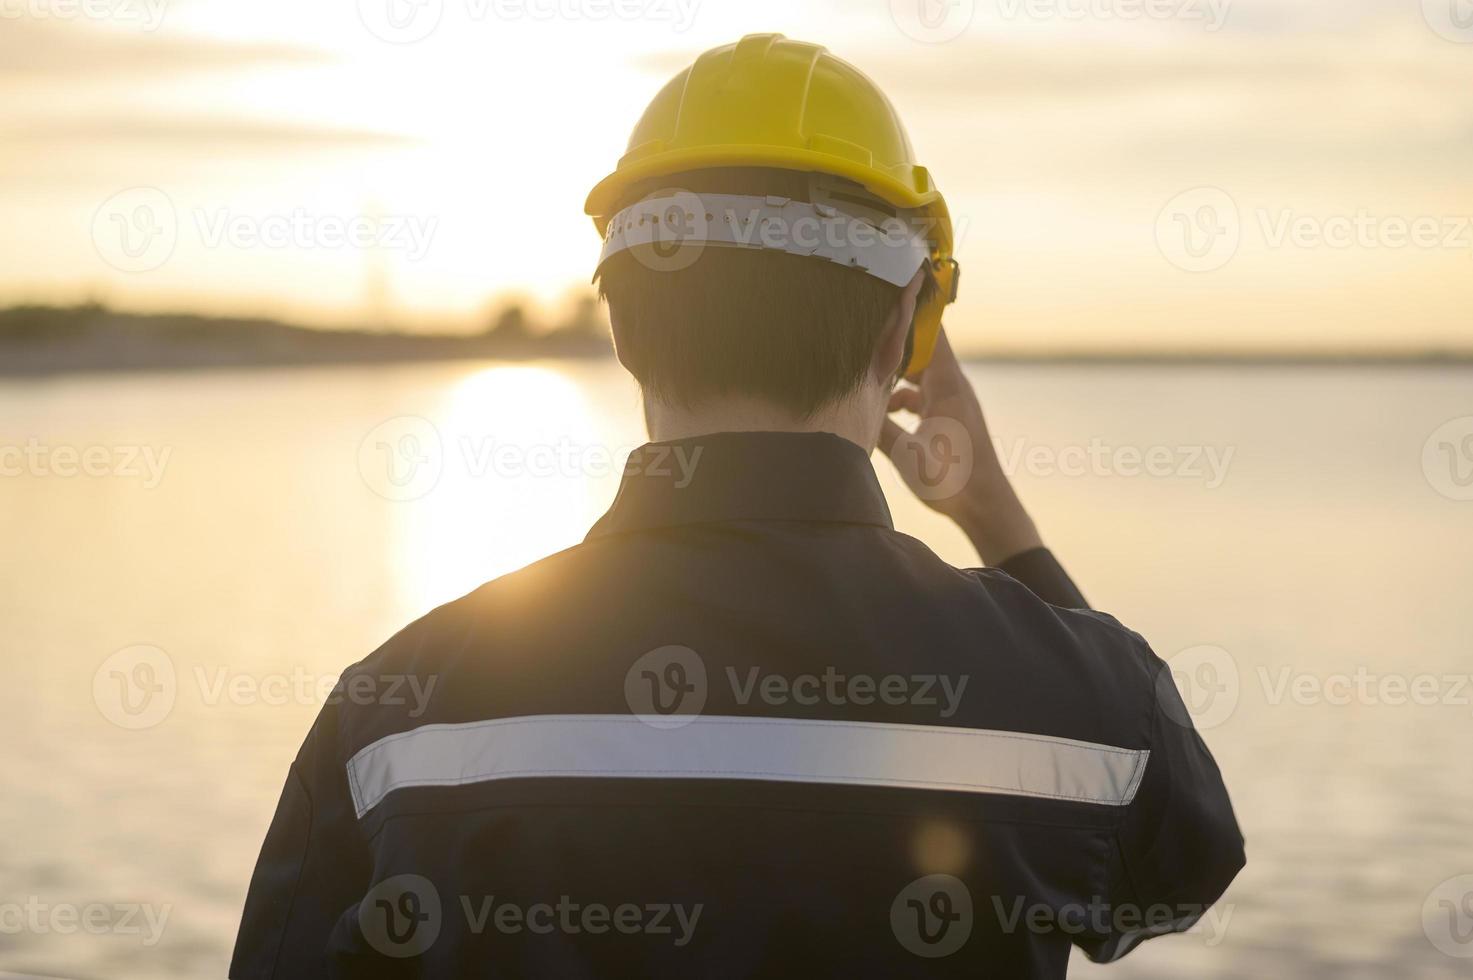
(314,866)
(1040,571)
(1178,845)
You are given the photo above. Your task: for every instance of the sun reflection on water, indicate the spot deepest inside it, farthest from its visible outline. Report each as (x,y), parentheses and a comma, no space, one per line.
(529,463)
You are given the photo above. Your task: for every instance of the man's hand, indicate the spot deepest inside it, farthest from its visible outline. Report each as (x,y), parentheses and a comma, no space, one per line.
(950,463)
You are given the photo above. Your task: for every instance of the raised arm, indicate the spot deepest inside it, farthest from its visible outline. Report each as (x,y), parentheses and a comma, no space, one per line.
(980,498)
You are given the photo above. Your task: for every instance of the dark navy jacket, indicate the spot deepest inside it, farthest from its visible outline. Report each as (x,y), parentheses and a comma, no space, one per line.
(745,729)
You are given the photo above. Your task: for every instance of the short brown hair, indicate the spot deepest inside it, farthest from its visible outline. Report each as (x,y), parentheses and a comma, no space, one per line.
(796,331)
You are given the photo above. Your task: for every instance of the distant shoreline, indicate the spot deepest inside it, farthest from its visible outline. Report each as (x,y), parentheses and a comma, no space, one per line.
(43,340)
(38,341)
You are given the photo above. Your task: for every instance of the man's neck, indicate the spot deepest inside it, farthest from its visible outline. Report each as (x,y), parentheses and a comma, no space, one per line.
(847,419)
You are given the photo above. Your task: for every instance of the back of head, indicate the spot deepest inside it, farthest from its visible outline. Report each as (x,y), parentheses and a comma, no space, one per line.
(762,230)
(794,331)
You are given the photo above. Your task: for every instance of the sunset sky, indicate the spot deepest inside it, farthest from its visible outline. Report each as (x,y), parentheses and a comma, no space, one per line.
(1323,147)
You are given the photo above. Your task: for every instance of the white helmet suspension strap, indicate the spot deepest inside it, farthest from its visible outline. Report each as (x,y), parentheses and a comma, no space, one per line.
(676,225)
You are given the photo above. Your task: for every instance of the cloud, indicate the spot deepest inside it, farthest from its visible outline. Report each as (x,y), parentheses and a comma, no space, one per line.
(1374,98)
(81,51)
(202,132)
(984,69)
(98,61)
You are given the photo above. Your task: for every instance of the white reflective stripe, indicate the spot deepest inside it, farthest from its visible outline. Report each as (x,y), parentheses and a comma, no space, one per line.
(891,251)
(774,749)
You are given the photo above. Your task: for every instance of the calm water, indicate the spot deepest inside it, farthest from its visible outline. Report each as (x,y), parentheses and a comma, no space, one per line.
(263,553)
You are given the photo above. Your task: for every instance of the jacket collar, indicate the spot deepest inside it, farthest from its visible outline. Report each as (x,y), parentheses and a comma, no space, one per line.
(746,476)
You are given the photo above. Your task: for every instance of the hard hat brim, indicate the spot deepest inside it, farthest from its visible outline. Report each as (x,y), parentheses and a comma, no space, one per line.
(607,195)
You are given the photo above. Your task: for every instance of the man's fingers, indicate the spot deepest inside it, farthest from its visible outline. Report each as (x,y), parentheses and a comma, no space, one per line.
(905,399)
(946,384)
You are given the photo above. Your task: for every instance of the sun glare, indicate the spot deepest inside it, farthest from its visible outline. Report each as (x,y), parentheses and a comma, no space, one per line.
(528,465)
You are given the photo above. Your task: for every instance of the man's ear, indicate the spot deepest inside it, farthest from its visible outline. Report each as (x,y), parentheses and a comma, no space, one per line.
(890,351)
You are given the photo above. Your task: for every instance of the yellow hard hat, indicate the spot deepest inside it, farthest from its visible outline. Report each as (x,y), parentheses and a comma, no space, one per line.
(770,102)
